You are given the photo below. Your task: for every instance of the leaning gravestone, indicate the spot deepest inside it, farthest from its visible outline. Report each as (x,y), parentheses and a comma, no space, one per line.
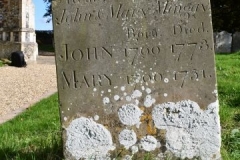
(136,77)
(223,42)
(236,42)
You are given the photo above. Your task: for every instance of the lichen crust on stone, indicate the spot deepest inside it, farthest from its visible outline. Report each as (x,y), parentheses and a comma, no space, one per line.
(191,131)
(88,139)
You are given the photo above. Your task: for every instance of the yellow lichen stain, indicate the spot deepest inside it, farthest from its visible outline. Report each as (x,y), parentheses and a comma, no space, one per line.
(142,108)
(151,129)
(120,152)
(145,118)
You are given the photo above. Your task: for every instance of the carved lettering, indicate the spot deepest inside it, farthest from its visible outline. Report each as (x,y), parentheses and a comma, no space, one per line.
(76,16)
(184,29)
(83,1)
(185,11)
(175,8)
(75,80)
(66,80)
(185,76)
(141,52)
(146,78)
(102,15)
(188,49)
(139,34)
(94,53)
(104,80)
(69,79)
(123,12)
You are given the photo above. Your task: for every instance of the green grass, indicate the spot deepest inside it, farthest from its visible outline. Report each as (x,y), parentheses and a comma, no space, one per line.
(4,62)
(36,133)
(228,73)
(1,63)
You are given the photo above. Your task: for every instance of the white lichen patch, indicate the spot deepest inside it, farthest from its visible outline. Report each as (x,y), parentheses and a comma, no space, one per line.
(215,92)
(134,149)
(148,143)
(165,94)
(166,80)
(137,102)
(96,117)
(128,98)
(106,100)
(191,131)
(116,97)
(127,138)
(149,101)
(148,90)
(136,94)
(130,114)
(88,139)
(127,157)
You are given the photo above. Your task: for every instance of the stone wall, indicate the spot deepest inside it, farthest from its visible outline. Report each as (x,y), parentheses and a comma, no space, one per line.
(8,47)
(227,42)
(9,11)
(17,28)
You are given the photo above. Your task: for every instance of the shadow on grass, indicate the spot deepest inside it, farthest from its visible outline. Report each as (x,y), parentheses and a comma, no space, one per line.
(32,152)
(237,117)
(233,99)
(43,147)
(53,153)
(235,53)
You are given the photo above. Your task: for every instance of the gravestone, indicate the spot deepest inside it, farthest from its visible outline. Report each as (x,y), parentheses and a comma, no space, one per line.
(223,42)
(236,42)
(136,77)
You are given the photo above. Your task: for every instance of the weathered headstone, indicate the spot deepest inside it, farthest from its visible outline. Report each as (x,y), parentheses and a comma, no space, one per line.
(236,42)
(136,77)
(223,42)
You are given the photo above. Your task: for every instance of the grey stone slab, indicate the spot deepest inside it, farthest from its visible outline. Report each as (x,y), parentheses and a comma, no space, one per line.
(236,42)
(136,77)
(223,43)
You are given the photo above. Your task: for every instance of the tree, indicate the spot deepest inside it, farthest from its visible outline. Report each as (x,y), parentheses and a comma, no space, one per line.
(225,14)
(48,13)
